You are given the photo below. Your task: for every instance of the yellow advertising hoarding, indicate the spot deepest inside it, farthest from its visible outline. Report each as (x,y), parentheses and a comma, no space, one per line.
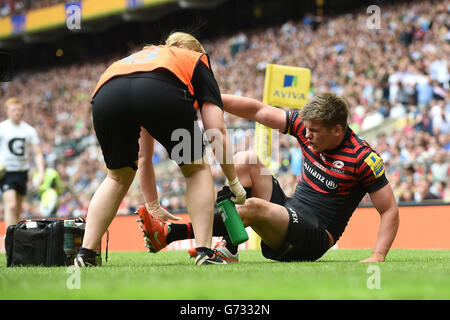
(5,27)
(46,17)
(56,16)
(286,86)
(93,8)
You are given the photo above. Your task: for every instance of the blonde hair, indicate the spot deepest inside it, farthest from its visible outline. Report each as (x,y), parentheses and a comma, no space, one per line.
(328,108)
(184,40)
(12,101)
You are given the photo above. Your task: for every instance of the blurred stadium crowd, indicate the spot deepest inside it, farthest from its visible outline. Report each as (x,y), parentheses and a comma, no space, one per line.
(13,7)
(395,77)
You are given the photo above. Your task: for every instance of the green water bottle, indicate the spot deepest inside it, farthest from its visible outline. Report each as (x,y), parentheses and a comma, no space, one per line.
(231,217)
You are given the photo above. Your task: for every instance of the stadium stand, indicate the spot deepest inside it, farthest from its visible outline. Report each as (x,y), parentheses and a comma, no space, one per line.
(396,80)
(12,7)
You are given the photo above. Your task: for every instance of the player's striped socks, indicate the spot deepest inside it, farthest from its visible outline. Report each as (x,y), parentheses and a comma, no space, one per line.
(185,231)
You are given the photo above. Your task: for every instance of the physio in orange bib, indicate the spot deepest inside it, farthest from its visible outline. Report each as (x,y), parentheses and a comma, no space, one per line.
(155,94)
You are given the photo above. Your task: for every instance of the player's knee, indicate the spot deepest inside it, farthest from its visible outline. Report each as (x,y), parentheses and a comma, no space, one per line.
(243,162)
(123,176)
(11,207)
(244,159)
(192,168)
(253,211)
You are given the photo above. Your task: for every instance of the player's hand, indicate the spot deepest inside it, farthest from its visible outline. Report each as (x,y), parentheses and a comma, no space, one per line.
(238,191)
(375,257)
(155,209)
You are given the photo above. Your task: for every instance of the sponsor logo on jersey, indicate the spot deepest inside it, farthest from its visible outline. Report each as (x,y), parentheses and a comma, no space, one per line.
(375,163)
(330,184)
(337,170)
(338,164)
(321,167)
(294,215)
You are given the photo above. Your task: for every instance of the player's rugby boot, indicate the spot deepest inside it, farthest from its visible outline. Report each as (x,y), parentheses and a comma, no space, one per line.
(155,230)
(224,253)
(86,260)
(192,252)
(221,250)
(207,257)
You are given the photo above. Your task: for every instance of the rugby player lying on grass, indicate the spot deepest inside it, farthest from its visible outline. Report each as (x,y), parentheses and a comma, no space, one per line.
(339,168)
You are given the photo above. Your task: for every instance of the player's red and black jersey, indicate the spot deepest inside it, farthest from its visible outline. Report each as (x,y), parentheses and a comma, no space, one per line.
(332,183)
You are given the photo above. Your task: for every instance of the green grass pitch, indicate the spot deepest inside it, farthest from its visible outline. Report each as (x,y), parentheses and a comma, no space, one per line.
(171,275)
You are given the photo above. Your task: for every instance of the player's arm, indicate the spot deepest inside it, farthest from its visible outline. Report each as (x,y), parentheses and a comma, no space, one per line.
(210,102)
(147,178)
(39,161)
(255,110)
(216,132)
(146,172)
(384,202)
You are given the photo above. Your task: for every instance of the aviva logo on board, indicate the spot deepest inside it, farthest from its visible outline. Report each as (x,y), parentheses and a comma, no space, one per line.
(286,86)
(290,81)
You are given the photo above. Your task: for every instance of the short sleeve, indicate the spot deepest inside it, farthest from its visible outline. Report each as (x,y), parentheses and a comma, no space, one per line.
(34,138)
(205,86)
(294,124)
(372,173)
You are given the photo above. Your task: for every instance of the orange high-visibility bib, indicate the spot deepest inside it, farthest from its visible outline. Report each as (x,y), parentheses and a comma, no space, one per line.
(181,62)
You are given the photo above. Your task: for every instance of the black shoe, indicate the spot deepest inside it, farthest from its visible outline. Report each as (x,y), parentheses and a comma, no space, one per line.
(208,257)
(85,260)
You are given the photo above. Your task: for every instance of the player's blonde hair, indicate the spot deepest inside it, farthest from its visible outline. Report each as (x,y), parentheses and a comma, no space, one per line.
(329,108)
(11,101)
(184,40)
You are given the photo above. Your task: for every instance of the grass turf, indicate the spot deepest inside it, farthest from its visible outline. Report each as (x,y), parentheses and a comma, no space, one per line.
(170,275)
